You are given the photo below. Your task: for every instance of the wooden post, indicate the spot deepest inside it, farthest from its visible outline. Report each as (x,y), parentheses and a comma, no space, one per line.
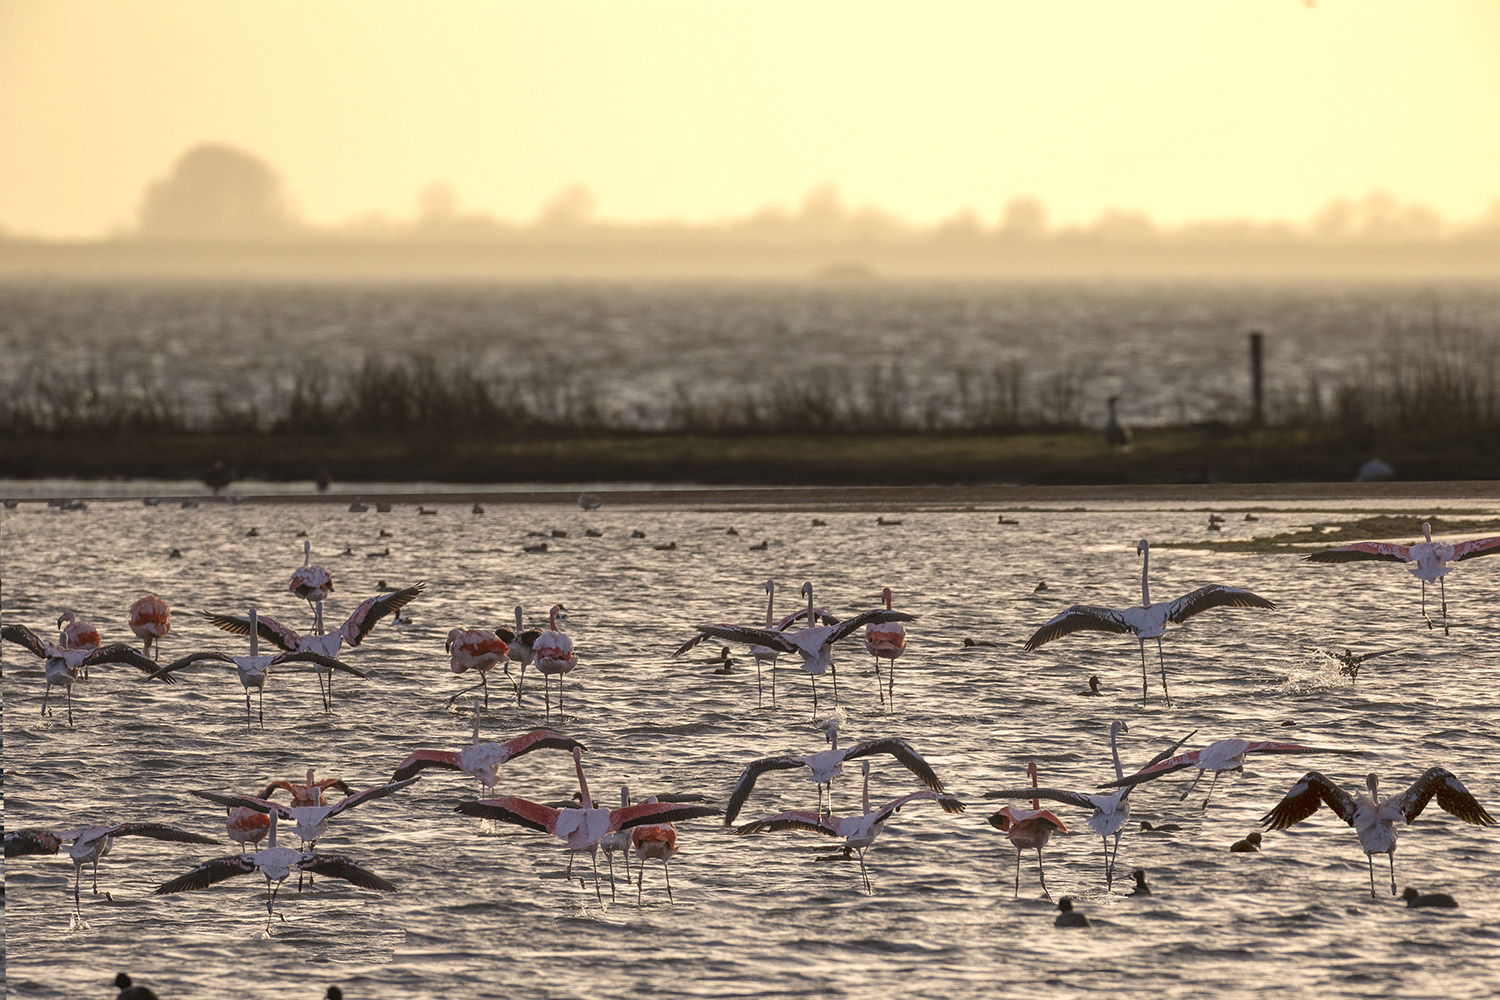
(1257,376)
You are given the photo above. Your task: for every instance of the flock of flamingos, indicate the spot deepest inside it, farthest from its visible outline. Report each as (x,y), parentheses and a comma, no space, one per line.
(645,828)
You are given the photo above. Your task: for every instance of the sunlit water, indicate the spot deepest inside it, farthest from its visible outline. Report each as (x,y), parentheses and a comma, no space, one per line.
(478,914)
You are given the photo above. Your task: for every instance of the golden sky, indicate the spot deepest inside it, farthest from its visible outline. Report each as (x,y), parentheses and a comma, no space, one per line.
(711,109)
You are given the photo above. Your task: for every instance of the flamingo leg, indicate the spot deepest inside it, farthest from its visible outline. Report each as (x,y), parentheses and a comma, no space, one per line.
(1109,867)
(1162,658)
(1018,872)
(1194,785)
(77,883)
(1042,874)
(834,672)
(70,704)
(815,697)
(773,683)
(45,694)
(1211,785)
(1392,856)
(473,687)
(520,685)
(484,682)
(547,696)
(328,708)
(759,687)
(1424,604)
(1145,691)
(864,873)
(638,883)
(668,873)
(891,683)
(1370,860)
(879,682)
(322,691)
(595,852)
(1443,592)
(610,857)
(261,704)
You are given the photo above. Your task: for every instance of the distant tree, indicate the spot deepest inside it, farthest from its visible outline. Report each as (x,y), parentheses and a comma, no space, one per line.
(571,208)
(217,192)
(1024,218)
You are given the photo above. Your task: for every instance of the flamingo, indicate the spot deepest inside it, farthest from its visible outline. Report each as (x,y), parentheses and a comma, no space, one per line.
(583,828)
(275,863)
(483,760)
(1028,828)
(309,793)
(1110,812)
(766,654)
(312,819)
(653,840)
(62,665)
(554,655)
(1428,560)
(1373,818)
(619,841)
(1147,620)
(90,843)
(360,623)
(825,766)
(859,832)
(312,583)
(150,620)
(76,633)
(522,643)
(886,641)
(1218,757)
(247,826)
(475,649)
(813,643)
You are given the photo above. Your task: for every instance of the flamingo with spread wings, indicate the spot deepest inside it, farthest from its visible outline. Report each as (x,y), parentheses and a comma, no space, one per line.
(90,843)
(483,760)
(1218,757)
(1028,829)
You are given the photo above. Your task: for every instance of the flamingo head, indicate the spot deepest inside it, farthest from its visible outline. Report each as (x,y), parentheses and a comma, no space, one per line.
(1427,530)
(452,638)
(1142,547)
(1372,782)
(552,616)
(885,595)
(1117,726)
(1031,771)
(306,551)
(770,586)
(518,619)
(66,616)
(807,591)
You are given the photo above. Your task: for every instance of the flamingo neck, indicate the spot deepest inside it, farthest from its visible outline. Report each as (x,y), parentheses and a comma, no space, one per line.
(887,595)
(811,621)
(552,618)
(867,788)
(306,552)
(518,621)
(770,602)
(1031,769)
(1427,530)
(476,722)
(271,837)
(1115,749)
(1145,567)
(583,786)
(254,635)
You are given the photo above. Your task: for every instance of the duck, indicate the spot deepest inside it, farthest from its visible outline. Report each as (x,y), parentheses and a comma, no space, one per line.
(1069,917)
(1437,899)
(1141,888)
(1249,845)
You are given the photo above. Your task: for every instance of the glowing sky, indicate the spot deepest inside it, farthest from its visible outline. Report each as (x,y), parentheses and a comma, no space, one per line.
(711,109)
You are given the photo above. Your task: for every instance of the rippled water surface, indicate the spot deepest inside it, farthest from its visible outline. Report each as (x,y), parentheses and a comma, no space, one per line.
(481,913)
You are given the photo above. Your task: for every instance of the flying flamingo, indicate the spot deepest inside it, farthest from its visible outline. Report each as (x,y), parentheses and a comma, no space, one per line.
(554,656)
(475,649)
(483,760)
(356,627)
(150,620)
(813,643)
(859,832)
(1146,620)
(1110,811)
(1028,828)
(584,827)
(1428,560)
(522,643)
(1218,757)
(1373,818)
(312,583)
(886,641)
(275,863)
(63,665)
(826,765)
(90,843)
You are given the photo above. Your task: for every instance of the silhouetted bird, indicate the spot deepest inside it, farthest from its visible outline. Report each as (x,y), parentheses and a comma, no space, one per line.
(1441,899)
(1115,434)
(1069,917)
(1141,888)
(218,476)
(1249,845)
(129,992)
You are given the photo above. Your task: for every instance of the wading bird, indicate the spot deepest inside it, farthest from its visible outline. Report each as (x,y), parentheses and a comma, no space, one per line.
(1028,829)
(90,843)
(275,863)
(312,583)
(859,832)
(1218,757)
(651,840)
(476,649)
(1146,620)
(554,656)
(584,827)
(62,665)
(886,641)
(311,821)
(1373,818)
(483,760)
(522,644)
(1428,561)
(150,620)
(764,654)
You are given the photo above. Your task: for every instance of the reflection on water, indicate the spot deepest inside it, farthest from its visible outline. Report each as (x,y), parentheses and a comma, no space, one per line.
(764,915)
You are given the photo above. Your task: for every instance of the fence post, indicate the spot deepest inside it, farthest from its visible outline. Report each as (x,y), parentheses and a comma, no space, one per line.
(1257,376)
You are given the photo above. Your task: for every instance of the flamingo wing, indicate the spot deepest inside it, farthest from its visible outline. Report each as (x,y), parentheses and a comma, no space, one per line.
(421,759)
(162,831)
(1476,547)
(1214,595)
(1271,746)
(848,627)
(32,840)
(378,792)
(1303,799)
(540,739)
(1362,551)
(1156,770)
(653,813)
(747,634)
(118,652)
(373,609)
(246,802)
(1079,618)
(1168,752)
(23,636)
(510,809)
(753,770)
(269,629)
(903,752)
(338,866)
(885,812)
(1055,794)
(326,662)
(166,672)
(794,820)
(209,873)
(1452,797)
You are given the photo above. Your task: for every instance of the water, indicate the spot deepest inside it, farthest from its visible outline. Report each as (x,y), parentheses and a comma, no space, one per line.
(479,914)
(1174,351)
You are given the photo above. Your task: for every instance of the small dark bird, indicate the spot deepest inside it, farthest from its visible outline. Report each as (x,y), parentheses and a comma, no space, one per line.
(1141,888)
(1249,845)
(818,522)
(253,533)
(476,509)
(1006,520)
(1349,662)
(1115,434)
(1251,517)
(129,992)
(1069,917)
(334,993)
(593,533)
(175,554)
(538,547)
(637,533)
(731,531)
(1440,899)
(886,521)
(1041,586)
(974,643)
(559,533)
(218,476)
(383,534)
(1163,828)
(668,547)
(764,544)
(1093,686)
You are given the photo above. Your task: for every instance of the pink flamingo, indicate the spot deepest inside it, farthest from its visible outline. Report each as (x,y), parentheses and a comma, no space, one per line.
(522,643)
(76,633)
(1027,829)
(584,827)
(90,843)
(1373,818)
(312,583)
(483,760)
(309,793)
(653,840)
(1218,757)
(859,832)
(1146,620)
(475,649)
(150,620)
(62,665)
(1428,560)
(554,656)
(886,641)
(247,826)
